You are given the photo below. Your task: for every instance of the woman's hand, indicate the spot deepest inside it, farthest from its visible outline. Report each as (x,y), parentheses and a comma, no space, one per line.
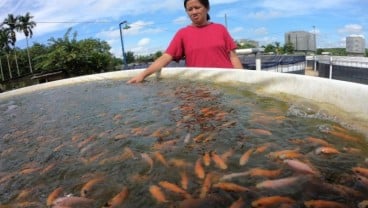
(137,79)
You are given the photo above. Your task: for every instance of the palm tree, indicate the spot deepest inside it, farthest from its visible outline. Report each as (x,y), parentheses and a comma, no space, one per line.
(11,21)
(5,41)
(25,24)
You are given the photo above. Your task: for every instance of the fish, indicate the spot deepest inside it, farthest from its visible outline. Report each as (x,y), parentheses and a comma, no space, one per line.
(264,173)
(148,159)
(180,163)
(58,192)
(234,175)
(198,169)
(324,204)
(262,148)
(263,132)
(363,204)
(184,180)
(272,201)
(318,141)
(73,202)
(344,136)
(326,150)
(206,186)
(278,183)
(91,185)
(281,154)
(245,157)
(218,161)
(157,194)
(301,166)
(361,171)
(363,180)
(226,155)
(238,203)
(118,199)
(174,188)
(207,159)
(161,158)
(230,187)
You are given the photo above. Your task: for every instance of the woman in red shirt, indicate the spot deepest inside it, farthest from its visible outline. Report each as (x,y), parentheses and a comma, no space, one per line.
(203,43)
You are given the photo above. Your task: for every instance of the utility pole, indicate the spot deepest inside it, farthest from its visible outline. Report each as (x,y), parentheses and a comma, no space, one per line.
(122,45)
(225,20)
(315,48)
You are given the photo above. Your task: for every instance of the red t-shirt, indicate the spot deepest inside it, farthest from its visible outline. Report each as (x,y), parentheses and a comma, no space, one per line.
(207,46)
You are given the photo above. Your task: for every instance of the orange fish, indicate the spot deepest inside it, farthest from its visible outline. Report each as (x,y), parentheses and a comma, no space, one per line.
(174,188)
(360,170)
(206,186)
(54,195)
(219,161)
(318,141)
(278,183)
(161,158)
(230,187)
(226,155)
(326,150)
(179,163)
(272,201)
(262,148)
(324,204)
(282,154)
(91,185)
(344,136)
(207,159)
(184,180)
(118,199)
(157,193)
(198,169)
(245,157)
(260,132)
(238,203)
(264,173)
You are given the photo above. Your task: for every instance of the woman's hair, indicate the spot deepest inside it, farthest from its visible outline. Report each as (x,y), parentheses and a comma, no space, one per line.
(205,3)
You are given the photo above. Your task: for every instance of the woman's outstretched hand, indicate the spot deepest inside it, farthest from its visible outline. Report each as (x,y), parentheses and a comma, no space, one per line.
(137,79)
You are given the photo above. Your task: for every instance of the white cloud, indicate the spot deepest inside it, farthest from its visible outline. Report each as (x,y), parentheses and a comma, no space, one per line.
(351,29)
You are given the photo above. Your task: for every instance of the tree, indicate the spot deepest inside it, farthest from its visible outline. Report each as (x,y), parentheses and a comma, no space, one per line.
(26,25)
(289,48)
(5,41)
(11,22)
(75,57)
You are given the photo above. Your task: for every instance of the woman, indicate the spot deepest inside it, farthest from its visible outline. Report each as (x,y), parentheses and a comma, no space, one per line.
(203,43)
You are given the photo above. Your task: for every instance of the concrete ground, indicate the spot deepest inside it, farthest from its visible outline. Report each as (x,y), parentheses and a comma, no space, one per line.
(310,72)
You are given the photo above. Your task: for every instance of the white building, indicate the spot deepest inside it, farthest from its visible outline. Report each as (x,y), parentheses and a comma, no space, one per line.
(301,40)
(355,45)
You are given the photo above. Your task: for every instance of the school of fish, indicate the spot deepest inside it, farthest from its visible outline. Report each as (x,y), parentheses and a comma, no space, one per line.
(192,170)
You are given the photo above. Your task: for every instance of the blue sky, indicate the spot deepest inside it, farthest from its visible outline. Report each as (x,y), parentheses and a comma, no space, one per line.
(153,23)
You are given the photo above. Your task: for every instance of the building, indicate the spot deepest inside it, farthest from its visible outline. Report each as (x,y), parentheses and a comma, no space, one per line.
(302,41)
(355,45)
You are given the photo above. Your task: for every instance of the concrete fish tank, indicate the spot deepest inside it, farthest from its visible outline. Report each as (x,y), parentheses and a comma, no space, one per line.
(186,137)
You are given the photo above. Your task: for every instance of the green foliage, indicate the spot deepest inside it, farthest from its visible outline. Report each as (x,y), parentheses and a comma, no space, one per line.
(75,57)
(333,51)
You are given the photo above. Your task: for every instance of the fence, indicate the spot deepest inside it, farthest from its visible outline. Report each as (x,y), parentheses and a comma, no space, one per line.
(345,68)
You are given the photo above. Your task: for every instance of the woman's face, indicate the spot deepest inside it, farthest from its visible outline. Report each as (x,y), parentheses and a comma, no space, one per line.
(197,12)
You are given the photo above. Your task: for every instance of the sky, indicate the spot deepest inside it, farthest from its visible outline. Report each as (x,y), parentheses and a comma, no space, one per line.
(154,23)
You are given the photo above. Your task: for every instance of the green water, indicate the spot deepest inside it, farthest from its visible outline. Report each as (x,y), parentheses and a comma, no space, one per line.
(64,137)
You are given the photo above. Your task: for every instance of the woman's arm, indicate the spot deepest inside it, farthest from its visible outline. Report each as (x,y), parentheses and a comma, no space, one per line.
(235,60)
(162,61)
